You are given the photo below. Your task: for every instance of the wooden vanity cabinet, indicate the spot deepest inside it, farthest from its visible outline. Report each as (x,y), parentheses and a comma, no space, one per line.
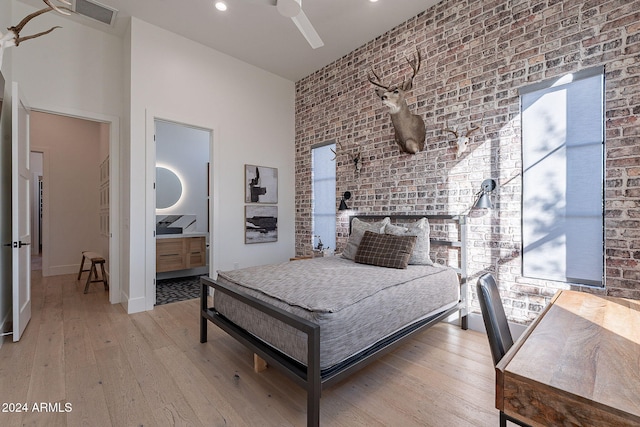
(197,252)
(180,253)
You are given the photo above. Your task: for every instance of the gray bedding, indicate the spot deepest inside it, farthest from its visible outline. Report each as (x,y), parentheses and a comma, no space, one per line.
(355,305)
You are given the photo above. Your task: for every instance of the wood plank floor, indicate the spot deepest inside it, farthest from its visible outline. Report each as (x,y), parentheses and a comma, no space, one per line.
(94,365)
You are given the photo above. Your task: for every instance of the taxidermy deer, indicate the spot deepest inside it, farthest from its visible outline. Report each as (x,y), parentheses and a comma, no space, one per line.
(357,164)
(12,37)
(409,128)
(463,140)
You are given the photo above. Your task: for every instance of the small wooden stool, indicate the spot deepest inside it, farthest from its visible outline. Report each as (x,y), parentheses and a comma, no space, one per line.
(95,258)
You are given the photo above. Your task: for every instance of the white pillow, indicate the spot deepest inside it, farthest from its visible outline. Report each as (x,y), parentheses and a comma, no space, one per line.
(420,229)
(358,227)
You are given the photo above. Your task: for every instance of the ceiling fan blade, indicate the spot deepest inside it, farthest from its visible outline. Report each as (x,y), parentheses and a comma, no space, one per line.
(307,30)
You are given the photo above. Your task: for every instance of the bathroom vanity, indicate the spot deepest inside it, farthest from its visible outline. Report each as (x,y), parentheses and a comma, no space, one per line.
(180,251)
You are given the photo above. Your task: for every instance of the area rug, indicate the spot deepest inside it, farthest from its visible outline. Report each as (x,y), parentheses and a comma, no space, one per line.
(177,289)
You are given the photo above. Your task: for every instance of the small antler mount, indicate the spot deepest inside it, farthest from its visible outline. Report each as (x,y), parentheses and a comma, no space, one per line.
(12,36)
(355,158)
(462,140)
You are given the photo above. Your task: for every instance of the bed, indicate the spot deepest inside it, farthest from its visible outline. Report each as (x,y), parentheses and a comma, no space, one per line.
(319,320)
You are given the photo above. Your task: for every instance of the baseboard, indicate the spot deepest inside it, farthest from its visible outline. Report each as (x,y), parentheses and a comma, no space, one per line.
(134,305)
(60,270)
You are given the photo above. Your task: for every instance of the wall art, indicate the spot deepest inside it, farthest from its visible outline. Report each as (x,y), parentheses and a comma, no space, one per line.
(261,184)
(261,224)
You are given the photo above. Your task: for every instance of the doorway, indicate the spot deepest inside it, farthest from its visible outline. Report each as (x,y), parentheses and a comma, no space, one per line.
(182,209)
(77,187)
(36,163)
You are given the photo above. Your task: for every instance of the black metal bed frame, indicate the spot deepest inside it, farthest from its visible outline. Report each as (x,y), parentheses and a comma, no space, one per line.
(309,376)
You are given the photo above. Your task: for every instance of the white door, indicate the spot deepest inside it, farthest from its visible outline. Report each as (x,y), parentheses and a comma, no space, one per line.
(20,213)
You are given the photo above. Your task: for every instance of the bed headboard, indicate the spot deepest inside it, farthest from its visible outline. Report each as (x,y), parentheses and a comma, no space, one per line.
(446,233)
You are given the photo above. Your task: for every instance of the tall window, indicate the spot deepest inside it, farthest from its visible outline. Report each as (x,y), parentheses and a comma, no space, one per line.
(562,179)
(323,175)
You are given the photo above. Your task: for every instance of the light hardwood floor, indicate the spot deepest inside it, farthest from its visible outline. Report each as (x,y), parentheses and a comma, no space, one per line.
(149,369)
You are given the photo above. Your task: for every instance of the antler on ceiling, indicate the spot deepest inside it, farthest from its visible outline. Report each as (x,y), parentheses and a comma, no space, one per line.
(57,9)
(12,38)
(17,28)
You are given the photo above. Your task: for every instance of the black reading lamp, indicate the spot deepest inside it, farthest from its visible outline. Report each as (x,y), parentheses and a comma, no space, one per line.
(343,205)
(483,200)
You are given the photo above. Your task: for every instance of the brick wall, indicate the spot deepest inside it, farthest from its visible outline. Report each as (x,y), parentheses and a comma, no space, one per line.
(476,54)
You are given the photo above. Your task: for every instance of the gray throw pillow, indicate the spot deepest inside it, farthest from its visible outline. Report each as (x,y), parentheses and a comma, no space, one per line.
(420,229)
(358,227)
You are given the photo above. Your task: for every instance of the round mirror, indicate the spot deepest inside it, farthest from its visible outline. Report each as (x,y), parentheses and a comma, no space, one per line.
(168,188)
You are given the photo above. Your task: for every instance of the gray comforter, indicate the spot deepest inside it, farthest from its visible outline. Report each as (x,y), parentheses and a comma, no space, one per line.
(355,305)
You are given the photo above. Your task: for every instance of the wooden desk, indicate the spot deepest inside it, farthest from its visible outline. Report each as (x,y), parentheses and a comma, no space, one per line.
(578,364)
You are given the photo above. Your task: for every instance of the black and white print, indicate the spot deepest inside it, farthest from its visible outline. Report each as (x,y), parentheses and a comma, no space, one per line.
(261,224)
(261,184)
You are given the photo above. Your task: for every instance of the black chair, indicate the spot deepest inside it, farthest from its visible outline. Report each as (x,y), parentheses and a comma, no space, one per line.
(495,321)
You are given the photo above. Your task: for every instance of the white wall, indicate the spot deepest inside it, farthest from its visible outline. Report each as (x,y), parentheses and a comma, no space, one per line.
(74,67)
(251,113)
(149,73)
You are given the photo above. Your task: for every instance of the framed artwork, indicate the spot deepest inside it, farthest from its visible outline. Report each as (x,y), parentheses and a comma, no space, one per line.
(261,224)
(261,184)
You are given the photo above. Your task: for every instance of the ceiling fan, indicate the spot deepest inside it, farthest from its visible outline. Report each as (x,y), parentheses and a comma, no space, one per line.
(293,9)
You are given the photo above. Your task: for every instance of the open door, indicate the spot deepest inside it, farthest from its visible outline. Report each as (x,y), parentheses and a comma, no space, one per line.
(20,213)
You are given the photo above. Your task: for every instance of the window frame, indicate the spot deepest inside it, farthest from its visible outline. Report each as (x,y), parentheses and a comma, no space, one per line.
(328,242)
(547,87)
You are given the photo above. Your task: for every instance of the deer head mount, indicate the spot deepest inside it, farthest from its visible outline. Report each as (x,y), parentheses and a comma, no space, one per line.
(409,128)
(12,36)
(463,140)
(355,158)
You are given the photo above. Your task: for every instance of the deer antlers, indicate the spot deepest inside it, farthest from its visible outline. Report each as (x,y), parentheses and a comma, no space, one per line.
(463,140)
(415,66)
(17,28)
(57,9)
(12,37)
(468,134)
(357,164)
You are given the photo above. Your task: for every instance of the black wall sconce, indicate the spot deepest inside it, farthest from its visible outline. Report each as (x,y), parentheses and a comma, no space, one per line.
(483,200)
(343,205)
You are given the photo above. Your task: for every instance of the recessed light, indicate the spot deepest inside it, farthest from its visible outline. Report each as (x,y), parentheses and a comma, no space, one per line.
(373,1)
(221,6)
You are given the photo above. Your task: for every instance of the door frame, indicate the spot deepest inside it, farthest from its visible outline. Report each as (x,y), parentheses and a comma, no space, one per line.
(150,201)
(115,293)
(36,227)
